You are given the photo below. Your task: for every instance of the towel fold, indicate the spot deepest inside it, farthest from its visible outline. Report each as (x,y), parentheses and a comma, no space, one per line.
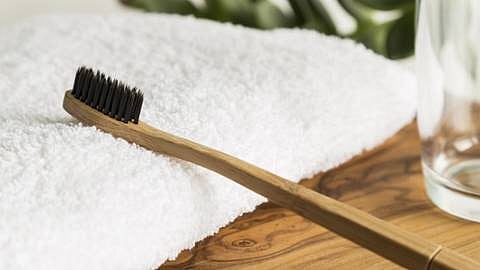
(294,102)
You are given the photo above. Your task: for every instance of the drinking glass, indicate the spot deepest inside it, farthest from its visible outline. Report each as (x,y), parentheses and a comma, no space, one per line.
(448,70)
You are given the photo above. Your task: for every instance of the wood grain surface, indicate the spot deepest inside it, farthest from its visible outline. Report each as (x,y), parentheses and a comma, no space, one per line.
(385,182)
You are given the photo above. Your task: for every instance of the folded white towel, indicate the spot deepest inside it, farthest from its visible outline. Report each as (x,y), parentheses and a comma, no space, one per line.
(291,101)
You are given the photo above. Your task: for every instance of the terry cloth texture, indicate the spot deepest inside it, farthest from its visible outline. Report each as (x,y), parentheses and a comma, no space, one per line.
(294,102)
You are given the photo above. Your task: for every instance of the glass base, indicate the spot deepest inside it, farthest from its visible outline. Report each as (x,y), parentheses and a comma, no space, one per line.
(450,197)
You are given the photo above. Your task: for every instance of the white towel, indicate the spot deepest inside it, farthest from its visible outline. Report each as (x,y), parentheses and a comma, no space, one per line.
(294,102)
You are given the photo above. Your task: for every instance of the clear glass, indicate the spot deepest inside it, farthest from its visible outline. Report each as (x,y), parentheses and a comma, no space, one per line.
(448,70)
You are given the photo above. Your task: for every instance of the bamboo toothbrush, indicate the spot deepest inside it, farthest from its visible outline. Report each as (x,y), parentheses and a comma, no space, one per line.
(115,108)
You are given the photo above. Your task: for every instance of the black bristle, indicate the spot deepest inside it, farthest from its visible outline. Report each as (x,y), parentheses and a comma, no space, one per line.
(92,87)
(103,99)
(111,92)
(78,88)
(77,78)
(103,94)
(98,91)
(86,84)
(109,96)
(127,115)
(117,95)
(123,104)
(131,117)
(138,108)
(83,84)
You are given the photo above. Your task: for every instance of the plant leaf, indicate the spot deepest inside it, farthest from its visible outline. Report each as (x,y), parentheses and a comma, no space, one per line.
(268,16)
(312,15)
(237,11)
(393,39)
(183,7)
(387,4)
(401,37)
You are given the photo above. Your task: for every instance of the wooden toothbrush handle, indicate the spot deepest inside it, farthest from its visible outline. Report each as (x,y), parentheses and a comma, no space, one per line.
(389,241)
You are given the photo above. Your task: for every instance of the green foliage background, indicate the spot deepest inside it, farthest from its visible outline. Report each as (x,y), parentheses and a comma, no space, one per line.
(393,38)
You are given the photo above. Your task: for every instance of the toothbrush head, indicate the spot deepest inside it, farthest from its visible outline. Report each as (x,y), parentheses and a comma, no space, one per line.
(108,96)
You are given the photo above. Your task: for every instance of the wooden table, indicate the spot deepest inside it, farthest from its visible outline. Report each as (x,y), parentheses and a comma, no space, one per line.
(386,182)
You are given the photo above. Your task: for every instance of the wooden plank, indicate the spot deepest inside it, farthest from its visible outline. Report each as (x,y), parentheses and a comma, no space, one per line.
(385,181)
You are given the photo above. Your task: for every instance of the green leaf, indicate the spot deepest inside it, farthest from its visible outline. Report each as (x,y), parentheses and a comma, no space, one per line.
(393,39)
(401,38)
(268,16)
(373,36)
(183,7)
(312,15)
(387,4)
(237,11)
(361,13)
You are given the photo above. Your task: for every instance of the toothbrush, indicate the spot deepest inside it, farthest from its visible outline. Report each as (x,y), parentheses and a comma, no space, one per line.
(115,108)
